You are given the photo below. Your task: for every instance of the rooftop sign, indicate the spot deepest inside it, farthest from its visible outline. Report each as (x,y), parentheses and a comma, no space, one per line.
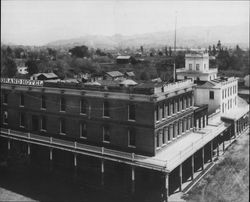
(22,82)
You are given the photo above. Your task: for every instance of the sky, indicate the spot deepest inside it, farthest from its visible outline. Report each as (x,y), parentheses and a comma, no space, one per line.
(36,22)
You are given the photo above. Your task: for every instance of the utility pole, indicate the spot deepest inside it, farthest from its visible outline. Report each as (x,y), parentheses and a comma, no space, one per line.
(174,73)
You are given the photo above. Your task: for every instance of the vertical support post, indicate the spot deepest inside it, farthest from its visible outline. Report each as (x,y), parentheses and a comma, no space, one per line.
(166,187)
(218,147)
(223,143)
(8,144)
(50,159)
(133,179)
(211,150)
(75,166)
(192,167)
(102,171)
(28,151)
(202,158)
(180,173)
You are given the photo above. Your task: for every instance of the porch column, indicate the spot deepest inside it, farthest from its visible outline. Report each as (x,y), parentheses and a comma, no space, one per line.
(102,171)
(202,156)
(50,159)
(218,147)
(192,167)
(211,150)
(8,144)
(75,166)
(133,179)
(166,187)
(180,175)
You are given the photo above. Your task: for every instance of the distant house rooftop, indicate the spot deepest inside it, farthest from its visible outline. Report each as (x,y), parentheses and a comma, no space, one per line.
(44,76)
(115,74)
(123,57)
(130,74)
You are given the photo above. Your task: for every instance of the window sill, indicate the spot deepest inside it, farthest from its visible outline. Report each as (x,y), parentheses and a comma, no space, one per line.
(132,146)
(106,117)
(158,148)
(62,133)
(42,130)
(131,120)
(5,123)
(83,114)
(43,109)
(21,105)
(83,137)
(21,126)
(106,141)
(62,111)
(5,103)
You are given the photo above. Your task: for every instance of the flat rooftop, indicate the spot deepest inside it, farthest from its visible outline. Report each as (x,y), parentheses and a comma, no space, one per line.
(176,153)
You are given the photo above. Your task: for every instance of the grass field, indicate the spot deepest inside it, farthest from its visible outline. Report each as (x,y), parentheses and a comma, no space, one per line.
(228,180)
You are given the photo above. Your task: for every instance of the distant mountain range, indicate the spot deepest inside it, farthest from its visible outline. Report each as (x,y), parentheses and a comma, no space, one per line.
(199,36)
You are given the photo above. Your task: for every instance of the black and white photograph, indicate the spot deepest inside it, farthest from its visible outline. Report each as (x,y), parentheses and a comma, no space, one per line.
(124,101)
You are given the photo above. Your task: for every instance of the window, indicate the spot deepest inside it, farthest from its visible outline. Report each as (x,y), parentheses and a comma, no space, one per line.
(197,67)
(5,117)
(164,135)
(163,111)
(157,113)
(43,124)
(191,101)
(180,104)
(158,139)
(190,66)
(131,138)
(174,130)
(169,138)
(222,94)
(43,104)
(106,109)
(222,107)
(187,102)
(211,95)
(183,125)
(183,103)
(83,107)
(83,130)
(173,109)
(177,106)
(21,100)
(62,104)
(168,110)
(5,98)
(62,127)
(106,134)
(204,66)
(131,111)
(22,118)
(180,128)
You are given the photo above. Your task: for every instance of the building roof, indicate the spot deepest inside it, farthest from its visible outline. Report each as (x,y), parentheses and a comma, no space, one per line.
(115,74)
(216,83)
(123,57)
(130,74)
(128,82)
(47,75)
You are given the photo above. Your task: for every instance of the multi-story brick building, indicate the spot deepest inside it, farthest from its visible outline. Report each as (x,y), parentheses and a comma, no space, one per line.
(141,120)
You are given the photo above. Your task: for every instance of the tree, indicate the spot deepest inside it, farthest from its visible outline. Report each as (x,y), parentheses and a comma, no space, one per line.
(219,45)
(214,50)
(141,49)
(80,51)
(209,50)
(170,51)
(9,68)
(31,67)
(144,76)
(166,51)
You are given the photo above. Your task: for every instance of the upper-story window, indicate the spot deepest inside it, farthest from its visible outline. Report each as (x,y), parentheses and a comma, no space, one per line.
(22,120)
(83,106)
(164,135)
(158,139)
(21,99)
(43,102)
(197,66)
(5,117)
(106,134)
(184,103)
(222,93)
(83,130)
(62,104)
(131,111)
(5,98)
(211,95)
(131,138)
(43,123)
(190,66)
(173,108)
(157,114)
(106,109)
(62,127)
(204,66)
(163,111)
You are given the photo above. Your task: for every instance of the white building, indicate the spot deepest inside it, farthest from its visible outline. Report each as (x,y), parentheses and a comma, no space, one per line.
(197,68)
(220,93)
(22,70)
